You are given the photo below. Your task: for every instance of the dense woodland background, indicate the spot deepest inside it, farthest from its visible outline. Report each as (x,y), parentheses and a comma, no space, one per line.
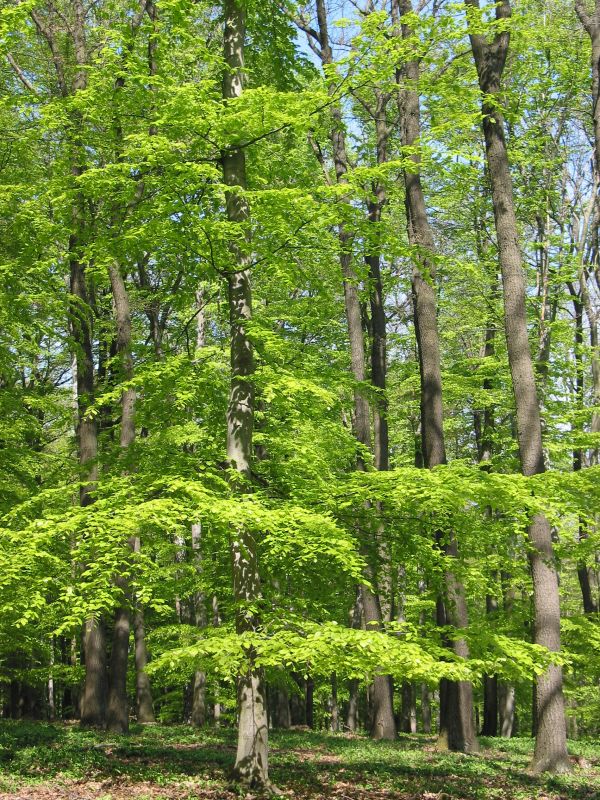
(299,367)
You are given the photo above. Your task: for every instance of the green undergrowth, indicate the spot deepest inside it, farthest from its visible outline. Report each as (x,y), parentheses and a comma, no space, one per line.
(180,763)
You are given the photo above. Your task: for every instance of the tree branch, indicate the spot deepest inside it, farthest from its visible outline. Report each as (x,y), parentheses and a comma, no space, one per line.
(21,75)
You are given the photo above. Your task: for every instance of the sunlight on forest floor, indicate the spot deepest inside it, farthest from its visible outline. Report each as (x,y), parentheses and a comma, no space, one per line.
(41,761)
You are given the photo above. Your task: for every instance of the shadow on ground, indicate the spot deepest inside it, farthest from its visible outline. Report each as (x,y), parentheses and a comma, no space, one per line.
(41,761)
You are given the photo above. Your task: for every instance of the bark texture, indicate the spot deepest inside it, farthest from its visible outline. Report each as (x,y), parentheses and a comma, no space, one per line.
(490,57)
(457,721)
(251,763)
(117,719)
(93,699)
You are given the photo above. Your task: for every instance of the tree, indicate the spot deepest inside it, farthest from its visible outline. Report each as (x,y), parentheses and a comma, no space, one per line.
(457,716)
(251,764)
(490,58)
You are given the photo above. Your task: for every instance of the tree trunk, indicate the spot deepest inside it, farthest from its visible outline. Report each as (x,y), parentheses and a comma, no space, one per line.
(550,747)
(484,424)
(310,707)
(118,708)
(71,81)
(457,724)
(408,713)
(298,702)
(353,687)
(490,683)
(117,716)
(334,722)
(352,710)
(383,725)
(280,707)
(143,691)
(583,571)
(198,716)
(94,692)
(490,706)
(93,700)
(376,295)
(51,685)
(251,764)
(506,709)
(426,708)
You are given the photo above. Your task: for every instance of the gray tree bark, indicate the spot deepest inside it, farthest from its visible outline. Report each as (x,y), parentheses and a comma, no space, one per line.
(457,719)
(506,709)
(251,763)
(490,57)
(117,718)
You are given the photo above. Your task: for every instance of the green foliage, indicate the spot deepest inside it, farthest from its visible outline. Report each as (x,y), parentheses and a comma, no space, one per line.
(148,195)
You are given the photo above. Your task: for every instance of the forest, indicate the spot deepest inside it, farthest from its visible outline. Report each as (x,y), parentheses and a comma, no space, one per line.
(300,398)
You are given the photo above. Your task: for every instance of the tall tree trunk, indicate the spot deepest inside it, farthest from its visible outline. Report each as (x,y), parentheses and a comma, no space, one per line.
(143,690)
(484,423)
(251,763)
(490,57)
(117,712)
(506,691)
(457,723)
(118,708)
(383,723)
(376,294)
(490,706)
(591,23)
(583,571)
(117,718)
(51,685)
(94,692)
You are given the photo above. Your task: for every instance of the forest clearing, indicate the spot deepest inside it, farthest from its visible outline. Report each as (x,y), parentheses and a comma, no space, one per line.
(300,399)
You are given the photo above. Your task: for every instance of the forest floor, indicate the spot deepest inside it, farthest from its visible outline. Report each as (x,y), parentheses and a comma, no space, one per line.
(41,761)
